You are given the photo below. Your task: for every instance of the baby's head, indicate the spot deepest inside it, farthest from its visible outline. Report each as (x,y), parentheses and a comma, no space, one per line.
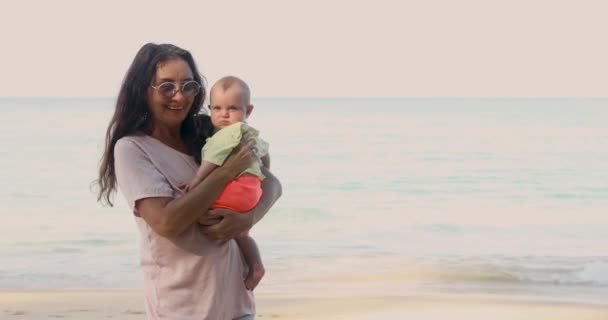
(229,102)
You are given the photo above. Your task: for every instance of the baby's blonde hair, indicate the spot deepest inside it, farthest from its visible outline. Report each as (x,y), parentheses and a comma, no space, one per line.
(227,82)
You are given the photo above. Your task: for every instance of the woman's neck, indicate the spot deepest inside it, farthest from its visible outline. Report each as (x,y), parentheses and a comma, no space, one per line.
(169,136)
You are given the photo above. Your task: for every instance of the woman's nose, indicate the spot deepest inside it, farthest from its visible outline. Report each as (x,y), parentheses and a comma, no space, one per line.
(178,96)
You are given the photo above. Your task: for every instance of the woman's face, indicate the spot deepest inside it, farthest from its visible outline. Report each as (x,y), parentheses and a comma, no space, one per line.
(170,111)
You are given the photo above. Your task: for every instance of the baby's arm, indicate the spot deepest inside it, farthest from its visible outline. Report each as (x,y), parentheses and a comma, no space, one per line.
(203,171)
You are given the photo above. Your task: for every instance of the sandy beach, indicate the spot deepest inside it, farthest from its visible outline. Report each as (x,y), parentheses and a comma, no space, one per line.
(127,304)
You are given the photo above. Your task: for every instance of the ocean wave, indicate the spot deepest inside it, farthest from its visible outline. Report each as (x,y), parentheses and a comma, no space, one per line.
(570,271)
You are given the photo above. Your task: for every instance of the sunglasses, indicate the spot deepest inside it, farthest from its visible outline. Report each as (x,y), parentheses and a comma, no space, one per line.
(169,89)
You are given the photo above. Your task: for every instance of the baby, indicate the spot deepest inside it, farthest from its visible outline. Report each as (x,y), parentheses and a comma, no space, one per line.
(229,109)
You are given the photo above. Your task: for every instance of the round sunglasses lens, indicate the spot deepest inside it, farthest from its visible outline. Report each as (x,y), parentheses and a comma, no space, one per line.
(166,89)
(190,88)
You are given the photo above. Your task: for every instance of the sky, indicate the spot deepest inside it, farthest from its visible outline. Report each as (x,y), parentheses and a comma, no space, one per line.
(379,48)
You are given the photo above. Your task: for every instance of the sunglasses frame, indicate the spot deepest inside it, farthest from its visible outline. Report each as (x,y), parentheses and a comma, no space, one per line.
(177,86)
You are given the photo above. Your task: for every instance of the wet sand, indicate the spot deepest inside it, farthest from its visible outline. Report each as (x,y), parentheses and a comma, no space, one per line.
(127,304)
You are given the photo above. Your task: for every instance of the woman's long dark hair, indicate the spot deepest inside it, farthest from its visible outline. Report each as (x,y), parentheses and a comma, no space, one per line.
(131,115)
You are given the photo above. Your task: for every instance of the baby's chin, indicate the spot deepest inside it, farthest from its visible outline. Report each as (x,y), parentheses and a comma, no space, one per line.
(218,128)
(222,125)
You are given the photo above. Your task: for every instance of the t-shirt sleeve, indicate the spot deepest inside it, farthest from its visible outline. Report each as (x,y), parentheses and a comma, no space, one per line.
(220,145)
(262,147)
(260,143)
(136,175)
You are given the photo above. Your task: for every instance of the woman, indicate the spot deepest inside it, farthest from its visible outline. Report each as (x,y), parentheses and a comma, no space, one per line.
(192,268)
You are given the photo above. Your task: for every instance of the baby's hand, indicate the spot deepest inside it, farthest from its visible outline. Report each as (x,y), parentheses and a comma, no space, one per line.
(186,186)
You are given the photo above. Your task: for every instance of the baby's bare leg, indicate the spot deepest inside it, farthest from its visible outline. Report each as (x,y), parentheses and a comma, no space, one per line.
(253,259)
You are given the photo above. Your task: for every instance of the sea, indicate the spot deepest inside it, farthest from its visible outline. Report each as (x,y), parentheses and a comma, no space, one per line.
(411,196)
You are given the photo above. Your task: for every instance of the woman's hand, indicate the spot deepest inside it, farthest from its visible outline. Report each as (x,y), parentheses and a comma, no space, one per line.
(241,157)
(231,223)
(206,220)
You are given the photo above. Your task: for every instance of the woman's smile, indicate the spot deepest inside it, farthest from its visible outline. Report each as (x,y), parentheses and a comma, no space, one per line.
(175,108)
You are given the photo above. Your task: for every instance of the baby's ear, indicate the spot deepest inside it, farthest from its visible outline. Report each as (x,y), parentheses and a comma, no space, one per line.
(249,110)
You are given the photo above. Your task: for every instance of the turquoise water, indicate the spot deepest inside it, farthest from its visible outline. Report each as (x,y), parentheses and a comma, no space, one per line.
(438,195)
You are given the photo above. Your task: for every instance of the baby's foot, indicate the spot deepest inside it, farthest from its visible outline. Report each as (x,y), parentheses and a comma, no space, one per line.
(256,273)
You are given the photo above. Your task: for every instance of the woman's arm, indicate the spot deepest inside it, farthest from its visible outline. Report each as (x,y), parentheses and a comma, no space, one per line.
(233,223)
(273,190)
(266,161)
(169,217)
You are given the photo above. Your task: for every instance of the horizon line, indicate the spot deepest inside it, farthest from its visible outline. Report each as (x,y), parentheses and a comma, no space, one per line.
(343,97)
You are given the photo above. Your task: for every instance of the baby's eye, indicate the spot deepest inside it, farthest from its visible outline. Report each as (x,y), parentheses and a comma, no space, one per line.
(233,108)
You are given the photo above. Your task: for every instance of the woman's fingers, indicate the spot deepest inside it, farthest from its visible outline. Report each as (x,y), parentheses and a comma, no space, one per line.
(249,148)
(247,143)
(232,224)
(246,135)
(242,156)
(209,221)
(245,155)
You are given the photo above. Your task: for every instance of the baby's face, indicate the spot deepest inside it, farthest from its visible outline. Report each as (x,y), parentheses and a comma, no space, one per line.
(227,107)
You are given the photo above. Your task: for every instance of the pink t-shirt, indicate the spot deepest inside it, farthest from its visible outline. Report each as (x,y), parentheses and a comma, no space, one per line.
(189,277)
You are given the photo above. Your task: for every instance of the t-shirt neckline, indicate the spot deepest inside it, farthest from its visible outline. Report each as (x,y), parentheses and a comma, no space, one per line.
(168,147)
